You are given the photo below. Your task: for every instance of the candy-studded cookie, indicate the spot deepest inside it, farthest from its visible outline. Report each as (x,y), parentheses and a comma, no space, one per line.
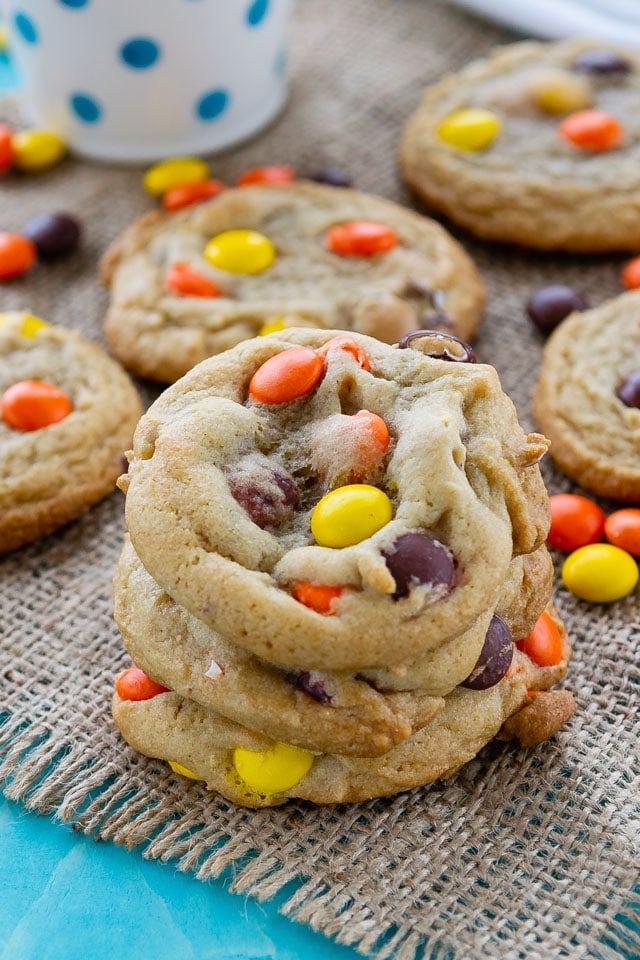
(255,770)
(587,399)
(363,714)
(331,502)
(537,145)
(190,284)
(67,414)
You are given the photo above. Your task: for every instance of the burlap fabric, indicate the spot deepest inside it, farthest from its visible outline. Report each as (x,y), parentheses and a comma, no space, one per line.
(524,853)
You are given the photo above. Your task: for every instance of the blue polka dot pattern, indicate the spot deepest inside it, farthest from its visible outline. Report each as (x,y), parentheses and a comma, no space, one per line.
(257,12)
(212,104)
(85,107)
(140,53)
(26,27)
(74,4)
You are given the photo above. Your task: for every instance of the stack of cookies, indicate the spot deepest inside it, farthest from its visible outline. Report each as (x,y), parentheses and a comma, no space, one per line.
(336,571)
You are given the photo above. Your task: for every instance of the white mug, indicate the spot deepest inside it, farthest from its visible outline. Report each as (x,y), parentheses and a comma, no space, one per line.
(140,80)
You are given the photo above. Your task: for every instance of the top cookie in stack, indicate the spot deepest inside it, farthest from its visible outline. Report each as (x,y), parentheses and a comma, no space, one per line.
(351,532)
(399,479)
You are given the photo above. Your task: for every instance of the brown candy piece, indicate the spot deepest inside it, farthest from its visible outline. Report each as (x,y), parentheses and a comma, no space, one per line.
(312,683)
(629,390)
(602,62)
(548,306)
(440,346)
(268,495)
(418,558)
(495,657)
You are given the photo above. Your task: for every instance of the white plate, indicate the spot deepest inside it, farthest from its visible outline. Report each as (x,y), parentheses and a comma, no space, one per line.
(613,20)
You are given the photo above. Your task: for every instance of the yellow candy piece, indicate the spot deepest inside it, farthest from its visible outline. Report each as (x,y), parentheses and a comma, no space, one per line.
(275,326)
(4,38)
(350,514)
(471,129)
(274,770)
(36,150)
(558,91)
(183,771)
(600,573)
(174,173)
(30,325)
(240,251)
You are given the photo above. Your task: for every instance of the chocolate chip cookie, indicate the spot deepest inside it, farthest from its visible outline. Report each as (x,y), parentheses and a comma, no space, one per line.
(587,399)
(538,145)
(67,414)
(190,284)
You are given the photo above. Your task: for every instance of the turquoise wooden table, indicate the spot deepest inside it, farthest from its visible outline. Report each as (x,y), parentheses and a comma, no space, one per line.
(65,897)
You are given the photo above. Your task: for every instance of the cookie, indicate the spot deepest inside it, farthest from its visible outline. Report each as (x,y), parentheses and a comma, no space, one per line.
(254,770)
(181,652)
(184,287)
(587,398)
(332,502)
(351,714)
(67,414)
(536,145)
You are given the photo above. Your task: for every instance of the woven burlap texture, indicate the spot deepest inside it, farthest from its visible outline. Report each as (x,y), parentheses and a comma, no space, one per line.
(524,853)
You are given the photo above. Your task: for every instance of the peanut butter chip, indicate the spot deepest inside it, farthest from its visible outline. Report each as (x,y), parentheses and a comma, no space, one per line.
(540,718)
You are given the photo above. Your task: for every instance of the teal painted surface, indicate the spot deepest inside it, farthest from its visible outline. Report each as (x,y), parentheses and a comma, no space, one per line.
(66,897)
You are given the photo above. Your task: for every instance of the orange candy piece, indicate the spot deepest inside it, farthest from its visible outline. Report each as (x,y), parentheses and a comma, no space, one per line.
(544,644)
(319,598)
(591,130)
(6,147)
(33,404)
(575,522)
(134,684)
(379,430)
(361,238)
(17,255)
(351,346)
(631,274)
(186,194)
(622,529)
(287,376)
(273,174)
(184,281)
